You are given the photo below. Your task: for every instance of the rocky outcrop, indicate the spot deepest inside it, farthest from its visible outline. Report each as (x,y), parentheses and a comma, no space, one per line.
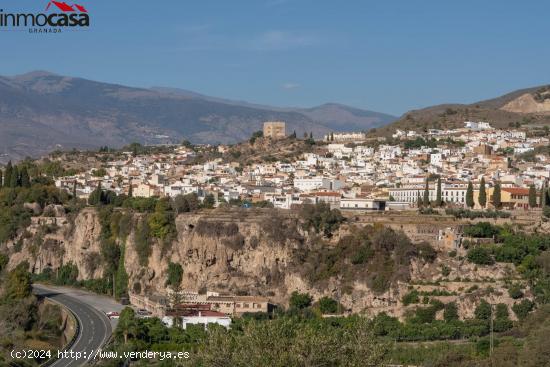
(527,104)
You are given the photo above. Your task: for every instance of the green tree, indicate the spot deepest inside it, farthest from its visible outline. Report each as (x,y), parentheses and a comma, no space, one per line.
(543,195)
(470,195)
(7,176)
(328,305)
(18,283)
(209,201)
(14,179)
(25,179)
(497,199)
(480,255)
(4,260)
(450,312)
(121,286)
(426,199)
(74,190)
(523,308)
(439,197)
(127,324)
(255,135)
(532,196)
(1,180)
(175,274)
(96,197)
(284,342)
(483,311)
(501,311)
(300,300)
(482,193)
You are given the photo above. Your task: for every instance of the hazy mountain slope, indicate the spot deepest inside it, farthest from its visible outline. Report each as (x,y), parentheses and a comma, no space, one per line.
(335,116)
(41,111)
(344,118)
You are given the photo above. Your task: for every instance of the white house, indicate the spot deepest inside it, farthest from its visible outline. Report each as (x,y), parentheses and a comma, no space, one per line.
(362,204)
(200,318)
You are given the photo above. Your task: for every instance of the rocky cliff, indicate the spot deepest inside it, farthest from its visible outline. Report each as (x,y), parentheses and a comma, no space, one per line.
(255,252)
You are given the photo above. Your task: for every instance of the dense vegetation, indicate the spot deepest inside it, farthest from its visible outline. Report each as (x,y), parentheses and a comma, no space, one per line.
(384,252)
(24,323)
(298,339)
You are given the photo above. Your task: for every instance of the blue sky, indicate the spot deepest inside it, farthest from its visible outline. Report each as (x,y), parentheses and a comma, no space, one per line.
(388,56)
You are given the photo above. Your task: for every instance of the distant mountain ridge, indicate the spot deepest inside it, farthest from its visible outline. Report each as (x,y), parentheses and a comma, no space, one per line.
(42,111)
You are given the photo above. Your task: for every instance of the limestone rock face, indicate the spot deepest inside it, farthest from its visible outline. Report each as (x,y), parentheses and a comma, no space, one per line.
(75,243)
(249,252)
(527,104)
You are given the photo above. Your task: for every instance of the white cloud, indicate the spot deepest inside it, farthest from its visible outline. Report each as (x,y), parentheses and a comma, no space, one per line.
(291,85)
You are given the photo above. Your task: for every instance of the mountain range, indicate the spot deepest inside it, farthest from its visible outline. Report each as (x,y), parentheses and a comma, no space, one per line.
(42,111)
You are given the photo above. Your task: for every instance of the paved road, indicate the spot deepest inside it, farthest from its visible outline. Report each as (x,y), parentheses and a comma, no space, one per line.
(95,327)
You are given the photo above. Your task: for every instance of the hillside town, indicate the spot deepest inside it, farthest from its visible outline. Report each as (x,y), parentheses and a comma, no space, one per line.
(349,172)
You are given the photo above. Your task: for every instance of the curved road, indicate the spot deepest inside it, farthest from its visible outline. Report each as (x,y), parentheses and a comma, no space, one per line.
(95,327)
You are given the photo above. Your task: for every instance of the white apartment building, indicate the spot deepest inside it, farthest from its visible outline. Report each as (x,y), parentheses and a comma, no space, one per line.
(449,193)
(316,183)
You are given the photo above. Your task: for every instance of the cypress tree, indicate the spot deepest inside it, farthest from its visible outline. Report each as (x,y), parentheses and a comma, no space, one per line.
(25,179)
(74,189)
(96,196)
(532,196)
(14,178)
(544,195)
(7,176)
(439,198)
(0,178)
(497,199)
(130,190)
(470,195)
(482,193)
(426,200)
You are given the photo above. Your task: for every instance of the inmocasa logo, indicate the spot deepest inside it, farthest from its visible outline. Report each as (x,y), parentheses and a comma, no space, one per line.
(57,16)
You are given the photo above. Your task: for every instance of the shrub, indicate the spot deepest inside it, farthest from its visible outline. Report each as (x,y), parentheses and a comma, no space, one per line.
(483,310)
(328,305)
(411,297)
(300,300)
(480,256)
(424,315)
(450,312)
(515,291)
(67,274)
(501,311)
(175,274)
(523,308)
(426,252)
(481,230)
(321,218)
